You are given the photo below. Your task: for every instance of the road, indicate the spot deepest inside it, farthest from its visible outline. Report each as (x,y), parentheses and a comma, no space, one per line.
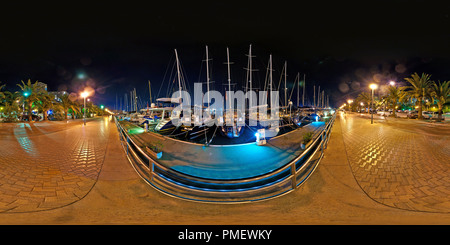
(110,192)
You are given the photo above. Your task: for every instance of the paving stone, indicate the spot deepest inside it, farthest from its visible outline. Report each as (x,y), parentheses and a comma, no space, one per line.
(402,167)
(47,169)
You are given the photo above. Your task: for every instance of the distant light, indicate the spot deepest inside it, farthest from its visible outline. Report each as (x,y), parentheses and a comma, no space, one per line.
(26,94)
(84,94)
(81,76)
(373,86)
(392,83)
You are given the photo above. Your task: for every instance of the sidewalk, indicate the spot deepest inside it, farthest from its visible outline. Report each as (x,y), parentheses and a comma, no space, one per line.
(400,163)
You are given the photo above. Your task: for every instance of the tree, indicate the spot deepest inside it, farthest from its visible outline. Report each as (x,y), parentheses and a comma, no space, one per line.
(46,102)
(11,105)
(67,103)
(30,94)
(417,90)
(441,93)
(365,98)
(395,95)
(2,94)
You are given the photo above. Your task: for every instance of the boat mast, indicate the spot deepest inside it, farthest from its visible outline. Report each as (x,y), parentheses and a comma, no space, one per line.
(229,78)
(298,90)
(150,91)
(135,100)
(285,87)
(318,98)
(304,85)
(207,74)
(270,77)
(178,72)
(314,94)
(250,67)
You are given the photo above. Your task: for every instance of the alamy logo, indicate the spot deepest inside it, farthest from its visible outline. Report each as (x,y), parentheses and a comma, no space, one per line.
(233,109)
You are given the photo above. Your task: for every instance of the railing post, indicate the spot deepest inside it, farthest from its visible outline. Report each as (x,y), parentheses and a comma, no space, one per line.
(321,142)
(293,176)
(128,143)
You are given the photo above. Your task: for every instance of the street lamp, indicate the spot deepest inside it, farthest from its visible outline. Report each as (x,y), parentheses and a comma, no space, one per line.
(392,83)
(372,86)
(349,104)
(84,95)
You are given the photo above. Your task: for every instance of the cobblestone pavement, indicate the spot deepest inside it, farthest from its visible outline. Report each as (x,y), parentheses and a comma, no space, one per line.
(401,163)
(50,164)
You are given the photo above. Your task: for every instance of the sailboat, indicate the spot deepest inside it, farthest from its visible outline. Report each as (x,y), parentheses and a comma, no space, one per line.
(266,122)
(165,123)
(236,125)
(200,126)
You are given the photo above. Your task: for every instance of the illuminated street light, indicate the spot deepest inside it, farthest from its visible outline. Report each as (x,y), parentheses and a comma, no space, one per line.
(84,95)
(350,101)
(392,83)
(372,86)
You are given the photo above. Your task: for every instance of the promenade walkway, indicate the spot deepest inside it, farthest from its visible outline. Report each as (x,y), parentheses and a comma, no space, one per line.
(401,163)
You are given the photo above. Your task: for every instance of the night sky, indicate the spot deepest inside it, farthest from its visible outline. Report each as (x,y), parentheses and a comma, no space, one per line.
(114,47)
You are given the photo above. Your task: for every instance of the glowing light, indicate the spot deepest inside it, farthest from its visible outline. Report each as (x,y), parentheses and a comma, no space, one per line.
(84,94)
(392,83)
(26,94)
(373,86)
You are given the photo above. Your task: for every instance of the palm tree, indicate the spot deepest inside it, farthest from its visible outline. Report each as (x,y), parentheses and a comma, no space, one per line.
(11,105)
(30,95)
(364,97)
(395,95)
(441,93)
(417,90)
(66,104)
(46,102)
(2,94)
(76,108)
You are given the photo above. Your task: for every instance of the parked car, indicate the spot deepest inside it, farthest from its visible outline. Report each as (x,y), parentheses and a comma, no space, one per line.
(24,117)
(430,114)
(413,115)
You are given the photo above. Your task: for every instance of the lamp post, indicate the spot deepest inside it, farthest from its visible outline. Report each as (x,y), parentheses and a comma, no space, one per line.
(84,95)
(350,101)
(372,86)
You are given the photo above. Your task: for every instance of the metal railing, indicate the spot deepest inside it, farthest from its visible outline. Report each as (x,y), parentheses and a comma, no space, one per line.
(278,182)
